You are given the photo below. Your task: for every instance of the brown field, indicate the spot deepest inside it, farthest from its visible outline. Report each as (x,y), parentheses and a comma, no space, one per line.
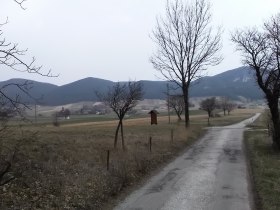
(66,167)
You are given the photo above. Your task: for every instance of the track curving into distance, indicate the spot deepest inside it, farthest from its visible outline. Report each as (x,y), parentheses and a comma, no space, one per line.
(212,174)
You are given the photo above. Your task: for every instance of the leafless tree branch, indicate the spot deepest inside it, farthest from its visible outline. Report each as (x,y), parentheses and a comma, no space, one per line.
(20,3)
(122,98)
(260,50)
(176,102)
(13,57)
(187,44)
(209,105)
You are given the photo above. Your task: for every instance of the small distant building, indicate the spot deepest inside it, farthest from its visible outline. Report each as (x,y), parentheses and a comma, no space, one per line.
(64,113)
(153,114)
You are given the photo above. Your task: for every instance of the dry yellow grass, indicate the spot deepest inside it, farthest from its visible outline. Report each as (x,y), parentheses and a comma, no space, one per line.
(264,164)
(65,167)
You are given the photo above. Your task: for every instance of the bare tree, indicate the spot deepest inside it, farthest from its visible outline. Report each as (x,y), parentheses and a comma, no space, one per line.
(231,106)
(20,3)
(5,159)
(186,43)
(260,50)
(224,102)
(208,105)
(122,98)
(176,102)
(226,105)
(13,57)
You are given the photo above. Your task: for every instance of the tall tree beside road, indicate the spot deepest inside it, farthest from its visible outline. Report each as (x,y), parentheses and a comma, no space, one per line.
(186,44)
(260,50)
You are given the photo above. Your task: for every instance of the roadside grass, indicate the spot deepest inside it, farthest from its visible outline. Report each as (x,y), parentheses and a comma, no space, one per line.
(66,167)
(265,166)
(221,120)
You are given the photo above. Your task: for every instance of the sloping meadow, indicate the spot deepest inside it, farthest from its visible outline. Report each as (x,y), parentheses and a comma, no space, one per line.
(74,166)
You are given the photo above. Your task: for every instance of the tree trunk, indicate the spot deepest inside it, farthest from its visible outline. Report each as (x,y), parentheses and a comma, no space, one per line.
(276,133)
(224,112)
(116,135)
(273,106)
(123,146)
(209,113)
(186,100)
(179,117)
(178,114)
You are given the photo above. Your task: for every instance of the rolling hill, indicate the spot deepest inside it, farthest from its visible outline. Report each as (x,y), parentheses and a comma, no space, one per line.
(36,90)
(236,83)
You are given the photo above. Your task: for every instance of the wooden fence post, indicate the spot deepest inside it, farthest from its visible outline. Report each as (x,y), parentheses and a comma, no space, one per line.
(108,159)
(150,144)
(172,135)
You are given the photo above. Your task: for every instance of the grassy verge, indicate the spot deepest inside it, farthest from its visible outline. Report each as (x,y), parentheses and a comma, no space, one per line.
(265,167)
(66,167)
(236,116)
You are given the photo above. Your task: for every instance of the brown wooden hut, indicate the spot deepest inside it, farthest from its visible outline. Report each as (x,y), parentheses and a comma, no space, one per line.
(153,114)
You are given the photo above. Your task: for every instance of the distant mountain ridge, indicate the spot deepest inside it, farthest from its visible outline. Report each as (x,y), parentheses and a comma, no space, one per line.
(234,83)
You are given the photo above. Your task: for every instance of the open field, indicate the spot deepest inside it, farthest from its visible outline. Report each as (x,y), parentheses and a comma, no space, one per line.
(265,166)
(98,118)
(66,167)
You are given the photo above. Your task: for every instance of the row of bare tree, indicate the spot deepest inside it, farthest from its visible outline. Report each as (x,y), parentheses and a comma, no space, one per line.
(176,103)
(187,45)
(210,104)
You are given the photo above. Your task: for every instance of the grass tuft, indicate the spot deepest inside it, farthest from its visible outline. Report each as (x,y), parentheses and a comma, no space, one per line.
(265,165)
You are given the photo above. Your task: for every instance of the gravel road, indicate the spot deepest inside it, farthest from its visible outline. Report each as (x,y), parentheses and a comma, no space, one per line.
(212,174)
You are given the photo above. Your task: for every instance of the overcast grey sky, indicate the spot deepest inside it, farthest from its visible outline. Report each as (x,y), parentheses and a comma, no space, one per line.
(109,39)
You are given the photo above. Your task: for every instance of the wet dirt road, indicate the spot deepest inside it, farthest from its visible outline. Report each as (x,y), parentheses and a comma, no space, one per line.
(210,175)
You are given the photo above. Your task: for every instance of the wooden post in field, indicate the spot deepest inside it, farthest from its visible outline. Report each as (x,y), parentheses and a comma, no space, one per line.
(35,113)
(150,144)
(108,159)
(172,135)
(168,103)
